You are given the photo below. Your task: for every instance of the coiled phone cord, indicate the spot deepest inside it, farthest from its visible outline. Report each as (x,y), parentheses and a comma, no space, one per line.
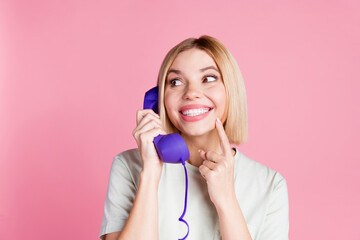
(181,219)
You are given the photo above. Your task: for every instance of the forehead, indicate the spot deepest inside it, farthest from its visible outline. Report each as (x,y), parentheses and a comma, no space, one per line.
(192,60)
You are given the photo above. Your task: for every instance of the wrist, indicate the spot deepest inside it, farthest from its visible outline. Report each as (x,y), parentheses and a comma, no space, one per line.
(150,175)
(228,205)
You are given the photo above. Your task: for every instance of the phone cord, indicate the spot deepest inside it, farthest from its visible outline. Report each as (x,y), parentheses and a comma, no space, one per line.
(183,214)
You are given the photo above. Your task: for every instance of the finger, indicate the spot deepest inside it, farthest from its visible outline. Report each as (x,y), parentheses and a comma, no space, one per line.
(209,164)
(224,141)
(143,112)
(148,136)
(202,154)
(148,122)
(145,127)
(149,118)
(140,114)
(204,171)
(213,156)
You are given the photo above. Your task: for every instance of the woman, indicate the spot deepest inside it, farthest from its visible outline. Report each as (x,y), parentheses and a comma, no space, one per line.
(202,97)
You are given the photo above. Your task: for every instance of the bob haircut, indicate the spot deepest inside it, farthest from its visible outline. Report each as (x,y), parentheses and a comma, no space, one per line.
(236,123)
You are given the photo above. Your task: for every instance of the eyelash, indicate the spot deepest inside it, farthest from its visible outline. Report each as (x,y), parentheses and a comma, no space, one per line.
(213,76)
(175,79)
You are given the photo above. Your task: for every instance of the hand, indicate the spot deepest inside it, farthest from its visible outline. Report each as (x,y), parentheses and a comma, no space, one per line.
(218,170)
(148,126)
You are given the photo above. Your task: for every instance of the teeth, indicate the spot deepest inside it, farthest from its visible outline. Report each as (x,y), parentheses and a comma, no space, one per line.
(195,112)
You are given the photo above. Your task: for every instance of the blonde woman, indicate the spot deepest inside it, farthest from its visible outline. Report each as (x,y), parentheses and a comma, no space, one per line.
(202,97)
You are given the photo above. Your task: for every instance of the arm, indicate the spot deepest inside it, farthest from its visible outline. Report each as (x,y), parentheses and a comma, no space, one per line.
(218,171)
(143,218)
(142,221)
(232,221)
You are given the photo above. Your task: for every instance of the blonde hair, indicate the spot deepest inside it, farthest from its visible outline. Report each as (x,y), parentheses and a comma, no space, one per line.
(236,123)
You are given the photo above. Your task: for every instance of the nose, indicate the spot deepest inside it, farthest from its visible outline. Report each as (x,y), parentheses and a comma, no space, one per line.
(192,91)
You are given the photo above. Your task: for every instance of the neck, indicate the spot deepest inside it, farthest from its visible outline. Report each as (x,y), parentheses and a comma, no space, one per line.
(206,142)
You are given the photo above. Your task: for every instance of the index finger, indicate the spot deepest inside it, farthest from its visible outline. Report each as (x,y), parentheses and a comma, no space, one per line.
(140,114)
(224,141)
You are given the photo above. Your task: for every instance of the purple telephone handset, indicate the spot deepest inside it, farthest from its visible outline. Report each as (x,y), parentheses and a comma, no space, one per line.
(171,148)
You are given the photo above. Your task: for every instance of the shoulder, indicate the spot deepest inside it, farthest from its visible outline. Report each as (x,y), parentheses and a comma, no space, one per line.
(263,197)
(129,157)
(128,163)
(254,171)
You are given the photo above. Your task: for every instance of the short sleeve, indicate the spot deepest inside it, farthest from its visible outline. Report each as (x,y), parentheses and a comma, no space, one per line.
(119,198)
(276,222)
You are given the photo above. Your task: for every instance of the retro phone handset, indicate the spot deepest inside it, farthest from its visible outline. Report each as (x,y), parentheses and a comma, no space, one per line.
(171,148)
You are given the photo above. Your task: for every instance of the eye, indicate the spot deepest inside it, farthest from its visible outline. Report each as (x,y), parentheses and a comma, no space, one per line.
(174,82)
(210,78)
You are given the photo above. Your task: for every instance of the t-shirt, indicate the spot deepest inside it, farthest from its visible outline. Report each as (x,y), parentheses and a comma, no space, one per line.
(260,191)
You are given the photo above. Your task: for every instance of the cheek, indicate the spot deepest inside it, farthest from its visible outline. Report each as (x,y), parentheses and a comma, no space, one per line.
(169,102)
(219,97)
(220,101)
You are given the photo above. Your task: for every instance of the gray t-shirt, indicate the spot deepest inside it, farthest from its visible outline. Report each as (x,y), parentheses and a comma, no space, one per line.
(261,193)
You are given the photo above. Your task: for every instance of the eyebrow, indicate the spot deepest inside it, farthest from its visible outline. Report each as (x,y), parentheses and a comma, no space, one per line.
(210,67)
(201,70)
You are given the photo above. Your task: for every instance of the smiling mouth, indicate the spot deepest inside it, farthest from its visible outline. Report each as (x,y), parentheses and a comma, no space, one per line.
(195,112)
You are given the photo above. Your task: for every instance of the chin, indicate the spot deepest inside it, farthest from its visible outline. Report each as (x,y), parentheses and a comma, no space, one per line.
(196,132)
(197,128)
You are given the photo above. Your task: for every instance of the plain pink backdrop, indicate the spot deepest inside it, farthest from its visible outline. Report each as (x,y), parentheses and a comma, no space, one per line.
(73,73)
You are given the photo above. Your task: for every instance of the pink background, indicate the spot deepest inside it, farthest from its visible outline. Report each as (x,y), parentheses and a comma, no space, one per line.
(73,73)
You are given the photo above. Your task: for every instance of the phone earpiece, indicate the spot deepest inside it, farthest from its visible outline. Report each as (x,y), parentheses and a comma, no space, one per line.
(151,99)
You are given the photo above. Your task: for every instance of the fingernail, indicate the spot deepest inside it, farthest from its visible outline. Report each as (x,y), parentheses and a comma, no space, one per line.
(218,120)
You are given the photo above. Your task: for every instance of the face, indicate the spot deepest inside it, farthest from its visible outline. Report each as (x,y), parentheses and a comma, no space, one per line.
(194,93)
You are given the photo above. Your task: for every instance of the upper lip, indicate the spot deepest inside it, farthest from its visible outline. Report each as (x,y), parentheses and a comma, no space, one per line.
(193,106)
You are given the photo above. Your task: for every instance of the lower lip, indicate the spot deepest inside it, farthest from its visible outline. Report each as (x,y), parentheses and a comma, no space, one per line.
(194,118)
